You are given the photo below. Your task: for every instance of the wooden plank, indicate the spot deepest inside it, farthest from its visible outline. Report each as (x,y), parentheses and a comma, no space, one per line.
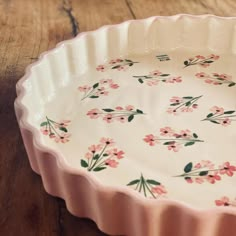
(147,8)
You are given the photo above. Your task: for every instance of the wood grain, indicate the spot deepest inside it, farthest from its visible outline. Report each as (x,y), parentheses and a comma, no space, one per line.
(28,28)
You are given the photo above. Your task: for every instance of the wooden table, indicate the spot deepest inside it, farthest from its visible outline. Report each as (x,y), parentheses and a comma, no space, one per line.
(28,28)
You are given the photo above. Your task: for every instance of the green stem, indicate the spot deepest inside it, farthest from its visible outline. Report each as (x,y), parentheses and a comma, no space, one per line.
(51,127)
(177,139)
(189,174)
(191,100)
(100,155)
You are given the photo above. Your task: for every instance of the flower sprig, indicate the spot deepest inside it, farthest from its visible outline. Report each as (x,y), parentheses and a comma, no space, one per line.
(102,155)
(216,78)
(98,89)
(225,201)
(148,187)
(183,104)
(56,130)
(119,113)
(173,140)
(219,116)
(201,60)
(156,76)
(116,64)
(205,171)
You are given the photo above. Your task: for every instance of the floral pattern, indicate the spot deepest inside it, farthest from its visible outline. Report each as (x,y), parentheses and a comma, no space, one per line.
(116,64)
(173,140)
(102,155)
(98,89)
(56,130)
(201,60)
(216,78)
(219,116)
(183,104)
(119,113)
(225,201)
(148,187)
(205,171)
(155,77)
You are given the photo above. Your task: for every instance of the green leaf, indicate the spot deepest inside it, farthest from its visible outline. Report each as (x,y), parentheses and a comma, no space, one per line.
(165,75)
(203,173)
(139,111)
(195,135)
(208,61)
(95,85)
(99,169)
(105,155)
(188,167)
(96,157)
(140,81)
(229,112)
(133,182)
(83,163)
(44,123)
(169,143)
(63,129)
(214,121)
(116,67)
(187,178)
(108,110)
(187,97)
(94,96)
(131,64)
(186,63)
(231,84)
(210,115)
(154,182)
(130,118)
(187,103)
(128,60)
(188,144)
(175,104)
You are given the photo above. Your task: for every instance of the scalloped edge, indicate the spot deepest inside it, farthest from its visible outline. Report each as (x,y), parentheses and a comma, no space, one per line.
(116,210)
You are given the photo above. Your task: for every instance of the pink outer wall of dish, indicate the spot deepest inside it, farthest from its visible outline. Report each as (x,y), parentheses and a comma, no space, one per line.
(117,211)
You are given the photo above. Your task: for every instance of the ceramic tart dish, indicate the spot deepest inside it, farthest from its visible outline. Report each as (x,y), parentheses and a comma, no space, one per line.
(134,125)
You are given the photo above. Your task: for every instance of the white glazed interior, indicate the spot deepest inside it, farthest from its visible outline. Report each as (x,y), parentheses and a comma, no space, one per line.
(52,89)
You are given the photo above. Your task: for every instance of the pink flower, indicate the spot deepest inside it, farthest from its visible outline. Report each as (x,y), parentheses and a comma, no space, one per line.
(150,139)
(167,131)
(88,155)
(106,81)
(95,148)
(152,82)
(172,111)
(112,62)
(44,130)
(100,68)
(129,108)
(112,163)
(159,189)
(195,106)
(62,123)
(201,75)
(200,57)
(227,169)
(199,180)
(186,109)
(119,60)
(176,99)
(204,163)
(102,91)
(120,68)
(174,146)
(107,141)
(209,81)
(63,138)
(108,118)
(214,57)
(155,73)
(224,201)
(52,135)
(217,110)
(225,77)
(174,79)
(213,178)
(122,119)
(189,180)
(204,65)
(119,108)
(225,122)
(84,88)
(116,153)
(185,133)
(114,86)
(94,113)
